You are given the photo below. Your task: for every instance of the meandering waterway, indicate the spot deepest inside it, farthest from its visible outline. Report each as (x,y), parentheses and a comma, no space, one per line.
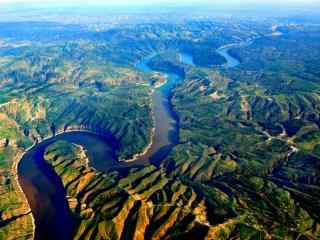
(43,187)
(231,61)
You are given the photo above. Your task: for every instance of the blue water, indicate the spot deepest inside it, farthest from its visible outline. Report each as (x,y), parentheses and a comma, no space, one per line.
(44,188)
(231,61)
(165,120)
(186,58)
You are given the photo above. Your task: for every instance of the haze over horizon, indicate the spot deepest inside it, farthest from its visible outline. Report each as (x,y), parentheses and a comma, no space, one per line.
(171,2)
(159,119)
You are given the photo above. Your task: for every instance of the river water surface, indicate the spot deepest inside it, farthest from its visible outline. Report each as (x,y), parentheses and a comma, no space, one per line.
(44,189)
(231,61)
(166,133)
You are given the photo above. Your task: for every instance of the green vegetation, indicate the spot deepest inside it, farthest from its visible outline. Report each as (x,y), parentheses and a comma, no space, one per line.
(253,133)
(145,203)
(76,94)
(247,162)
(15,215)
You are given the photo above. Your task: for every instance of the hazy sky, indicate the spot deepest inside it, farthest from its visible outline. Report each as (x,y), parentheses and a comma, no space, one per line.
(149,2)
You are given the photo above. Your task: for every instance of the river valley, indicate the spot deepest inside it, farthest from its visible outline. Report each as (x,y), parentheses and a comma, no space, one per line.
(44,189)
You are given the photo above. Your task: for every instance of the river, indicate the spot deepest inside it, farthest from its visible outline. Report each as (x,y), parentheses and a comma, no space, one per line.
(223,51)
(43,187)
(231,61)
(166,133)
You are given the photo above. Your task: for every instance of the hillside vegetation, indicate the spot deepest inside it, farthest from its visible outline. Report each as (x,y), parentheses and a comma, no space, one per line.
(247,163)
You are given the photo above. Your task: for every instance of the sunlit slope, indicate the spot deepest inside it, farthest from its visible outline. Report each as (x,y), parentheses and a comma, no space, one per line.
(15,214)
(141,204)
(247,162)
(46,91)
(252,132)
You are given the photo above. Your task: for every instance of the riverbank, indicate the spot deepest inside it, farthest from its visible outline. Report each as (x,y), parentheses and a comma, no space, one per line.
(15,164)
(145,151)
(16,219)
(148,148)
(165,125)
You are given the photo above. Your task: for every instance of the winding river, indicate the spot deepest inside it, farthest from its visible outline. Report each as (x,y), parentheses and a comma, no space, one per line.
(231,61)
(44,189)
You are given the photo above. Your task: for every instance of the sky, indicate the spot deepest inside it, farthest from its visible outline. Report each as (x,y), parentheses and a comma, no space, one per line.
(176,2)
